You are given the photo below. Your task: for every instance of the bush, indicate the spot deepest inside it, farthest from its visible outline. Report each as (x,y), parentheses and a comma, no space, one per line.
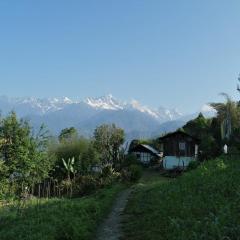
(154,161)
(7,192)
(85,185)
(233,150)
(109,175)
(193,165)
(107,171)
(134,172)
(130,159)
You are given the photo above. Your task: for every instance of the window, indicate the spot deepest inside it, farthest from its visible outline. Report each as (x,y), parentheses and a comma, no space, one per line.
(182,146)
(182,149)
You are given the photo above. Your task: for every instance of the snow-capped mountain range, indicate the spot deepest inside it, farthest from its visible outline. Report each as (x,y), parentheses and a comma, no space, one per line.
(108,102)
(57,113)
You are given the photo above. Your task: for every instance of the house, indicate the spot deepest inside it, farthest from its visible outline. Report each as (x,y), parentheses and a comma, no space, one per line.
(179,149)
(145,153)
(96,168)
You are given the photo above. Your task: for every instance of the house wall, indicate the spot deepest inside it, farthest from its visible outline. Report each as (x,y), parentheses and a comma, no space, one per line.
(170,162)
(173,146)
(143,157)
(96,168)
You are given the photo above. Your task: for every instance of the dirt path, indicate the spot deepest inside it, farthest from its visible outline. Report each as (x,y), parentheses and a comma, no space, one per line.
(110,229)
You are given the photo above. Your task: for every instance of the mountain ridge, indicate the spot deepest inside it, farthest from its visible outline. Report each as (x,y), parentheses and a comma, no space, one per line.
(57,113)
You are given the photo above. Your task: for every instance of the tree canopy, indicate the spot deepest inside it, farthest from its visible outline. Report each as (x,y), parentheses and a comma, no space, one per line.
(68,135)
(108,140)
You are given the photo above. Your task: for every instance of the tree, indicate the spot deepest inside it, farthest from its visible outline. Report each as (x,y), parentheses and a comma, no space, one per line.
(68,135)
(3,170)
(205,130)
(23,154)
(43,162)
(228,113)
(16,144)
(81,149)
(198,127)
(108,140)
(133,144)
(238,87)
(88,158)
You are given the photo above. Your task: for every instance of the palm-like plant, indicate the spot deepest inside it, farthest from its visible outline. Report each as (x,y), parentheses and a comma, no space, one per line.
(228,114)
(238,87)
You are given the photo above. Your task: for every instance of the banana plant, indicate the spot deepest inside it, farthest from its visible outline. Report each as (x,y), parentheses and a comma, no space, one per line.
(69,167)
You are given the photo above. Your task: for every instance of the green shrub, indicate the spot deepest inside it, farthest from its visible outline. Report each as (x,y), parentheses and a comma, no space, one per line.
(193,165)
(107,171)
(85,185)
(135,172)
(233,150)
(130,159)
(6,192)
(109,175)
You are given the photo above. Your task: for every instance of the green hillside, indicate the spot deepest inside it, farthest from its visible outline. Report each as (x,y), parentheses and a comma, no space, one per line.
(202,204)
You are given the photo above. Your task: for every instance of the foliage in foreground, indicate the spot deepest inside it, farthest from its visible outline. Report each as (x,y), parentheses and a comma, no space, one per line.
(38,165)
(23,158)
(55,219)
(202,204)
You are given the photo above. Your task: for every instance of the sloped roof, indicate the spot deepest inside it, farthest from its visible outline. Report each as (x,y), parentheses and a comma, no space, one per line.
(172,134)
(147,148)
(153,150)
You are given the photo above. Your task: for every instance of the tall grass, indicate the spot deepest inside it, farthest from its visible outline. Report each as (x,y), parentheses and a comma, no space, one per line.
(63,219)
(202,204)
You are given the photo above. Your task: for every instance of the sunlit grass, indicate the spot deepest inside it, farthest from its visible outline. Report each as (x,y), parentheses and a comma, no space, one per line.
(202,204)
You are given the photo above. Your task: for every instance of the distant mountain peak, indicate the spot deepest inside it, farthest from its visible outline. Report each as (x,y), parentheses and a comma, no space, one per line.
(61,100)
(107,102)
(134,104)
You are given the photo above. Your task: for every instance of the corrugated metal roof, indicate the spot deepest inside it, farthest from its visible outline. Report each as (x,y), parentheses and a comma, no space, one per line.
(153,150)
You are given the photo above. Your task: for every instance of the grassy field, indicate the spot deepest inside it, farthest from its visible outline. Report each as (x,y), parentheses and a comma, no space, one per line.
(202,204)
(57,218)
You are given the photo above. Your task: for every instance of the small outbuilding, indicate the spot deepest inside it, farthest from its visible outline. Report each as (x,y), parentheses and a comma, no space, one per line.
(179,149)
(145,153)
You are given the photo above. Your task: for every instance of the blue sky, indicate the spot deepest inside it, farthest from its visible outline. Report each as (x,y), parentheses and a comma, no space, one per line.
(171,53)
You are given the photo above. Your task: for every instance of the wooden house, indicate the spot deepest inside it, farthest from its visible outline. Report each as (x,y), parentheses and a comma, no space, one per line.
(145,153)
(179,149)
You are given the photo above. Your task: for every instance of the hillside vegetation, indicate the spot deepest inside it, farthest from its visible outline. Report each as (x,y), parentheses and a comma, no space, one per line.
(52,219)
(202,204)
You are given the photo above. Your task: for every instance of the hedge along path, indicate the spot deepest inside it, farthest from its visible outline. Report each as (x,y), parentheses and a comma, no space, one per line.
(110,229)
